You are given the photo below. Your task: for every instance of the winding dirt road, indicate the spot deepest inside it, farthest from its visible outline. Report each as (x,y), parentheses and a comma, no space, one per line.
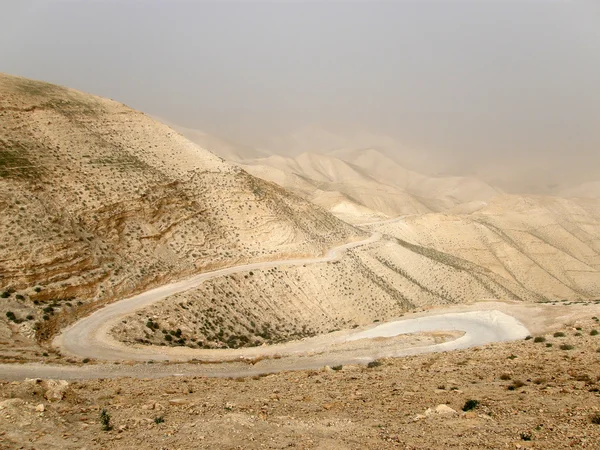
(465,326)
(90,337)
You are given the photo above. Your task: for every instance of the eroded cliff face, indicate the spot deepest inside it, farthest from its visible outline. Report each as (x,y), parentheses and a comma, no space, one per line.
(98,201)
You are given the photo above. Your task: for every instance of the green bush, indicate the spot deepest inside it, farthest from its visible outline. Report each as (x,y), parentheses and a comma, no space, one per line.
(539,339)
(11,316)
(374,364)
(336,368)
(5,294)
(594,333)
(105,420)
(566,347)
(159,419)
(559,334)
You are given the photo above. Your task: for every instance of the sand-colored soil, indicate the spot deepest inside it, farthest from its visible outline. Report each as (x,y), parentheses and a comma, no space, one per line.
(530,394)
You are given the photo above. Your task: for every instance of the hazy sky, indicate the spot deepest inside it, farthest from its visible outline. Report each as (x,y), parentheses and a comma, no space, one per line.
(475,84)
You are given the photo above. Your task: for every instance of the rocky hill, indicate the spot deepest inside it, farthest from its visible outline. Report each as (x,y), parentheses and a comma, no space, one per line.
(98,201)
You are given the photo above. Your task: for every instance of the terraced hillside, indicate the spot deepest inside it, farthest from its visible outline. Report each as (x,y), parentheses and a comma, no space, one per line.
(98,200)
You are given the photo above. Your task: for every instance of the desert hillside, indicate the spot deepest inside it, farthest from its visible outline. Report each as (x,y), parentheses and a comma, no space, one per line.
(99,201)
(365,185)
(530,249)
(347,191)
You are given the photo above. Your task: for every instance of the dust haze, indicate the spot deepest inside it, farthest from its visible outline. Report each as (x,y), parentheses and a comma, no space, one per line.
(506,91)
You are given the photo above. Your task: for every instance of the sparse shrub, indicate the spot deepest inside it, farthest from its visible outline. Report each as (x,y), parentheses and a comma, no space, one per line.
(374,364)
(516,384)
(559,334)
(528,337)
(540,380)
(594,333)
(566,347)
(526,436)
(549,344)
(159,419)
(19,297)
(336,368)
(470,404)
(512,357)
(595,418)
(37,289)
(539,339)
(168,337)
(5,294)
(29,317)
(85,360)
(105,420)
(11,316)
(577,334)
(505,377)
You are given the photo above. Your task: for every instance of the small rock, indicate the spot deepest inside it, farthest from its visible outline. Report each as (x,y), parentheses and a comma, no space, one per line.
(56,390)
(444,409)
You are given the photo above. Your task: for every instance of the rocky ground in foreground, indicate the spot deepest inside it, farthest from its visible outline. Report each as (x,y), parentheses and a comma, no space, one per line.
(542,392)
